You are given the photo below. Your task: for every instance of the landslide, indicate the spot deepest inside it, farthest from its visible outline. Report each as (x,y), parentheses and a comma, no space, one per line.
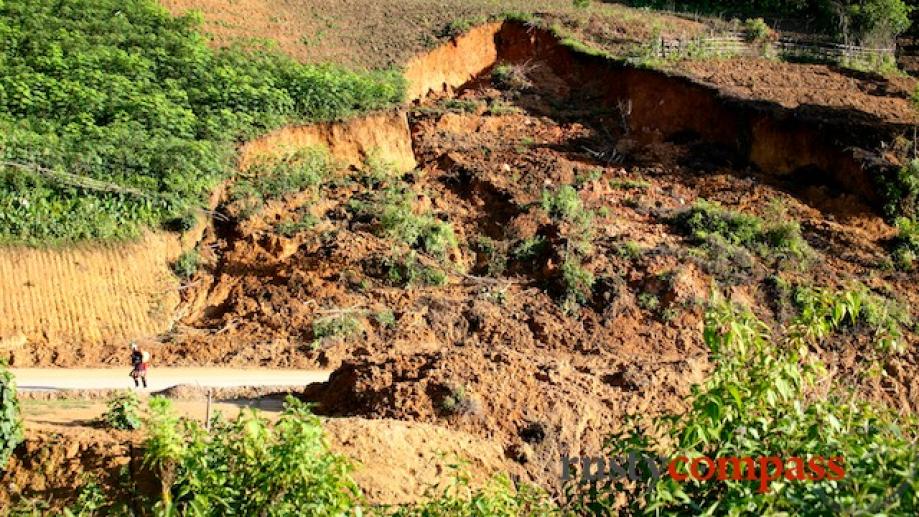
(527,281)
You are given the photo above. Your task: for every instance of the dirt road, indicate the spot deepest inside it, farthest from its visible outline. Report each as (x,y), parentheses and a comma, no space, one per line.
(54,379)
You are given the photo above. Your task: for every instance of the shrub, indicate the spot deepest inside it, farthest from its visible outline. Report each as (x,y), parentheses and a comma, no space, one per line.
(823,311)
(529,248)
(565,203)
(336,326)
(577,283)
(900,192)
(511,77)
(290,228)
(457,402)
(123,411)
(494,254)
(274,177)
(398,221)
(186,265)
(757,30)
(755,404)
(11,434)
(407,271)
(120,93)
(706,220)
(879,22)
(248,467)
(581,4)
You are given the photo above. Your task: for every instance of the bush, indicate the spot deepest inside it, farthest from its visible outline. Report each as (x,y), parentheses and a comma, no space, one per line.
(879,22)
(906,244)
(757,30)
(407,271)
(120,93)
(186,265)
(273,177)
(11,434)
(123,411)
(397,220)
(498,497)
(248,467)
(706,221)
(823,311)
(577,283)
(900,192)
(336,326)
(457,402)
(756,404)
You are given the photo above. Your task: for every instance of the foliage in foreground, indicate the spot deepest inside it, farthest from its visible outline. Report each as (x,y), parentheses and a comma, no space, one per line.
(756,404)
(119,92)
(10,419)
(123,411)
(248,467)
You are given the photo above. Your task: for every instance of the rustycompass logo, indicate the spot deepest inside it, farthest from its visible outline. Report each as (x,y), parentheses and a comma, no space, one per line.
(763,469)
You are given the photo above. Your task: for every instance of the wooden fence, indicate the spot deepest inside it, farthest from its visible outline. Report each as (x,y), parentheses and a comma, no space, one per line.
(737,44)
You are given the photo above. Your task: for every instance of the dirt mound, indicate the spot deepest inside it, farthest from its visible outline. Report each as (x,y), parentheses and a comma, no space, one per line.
(399,462)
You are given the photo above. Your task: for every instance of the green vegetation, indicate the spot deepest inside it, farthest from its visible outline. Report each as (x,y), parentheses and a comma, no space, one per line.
(494,254)
(273,177)
(906,244)
(757,30)
(187,264)
(397,220)
(499,497)
(123,411)
(756,403)
(303,222)
(458,402)
(630,184)
(900,192)
(247,467)
(115,115)
(529,248)
(871,22)
(823,311)
(708,223)
(405,270)
(342,325)
(10,420)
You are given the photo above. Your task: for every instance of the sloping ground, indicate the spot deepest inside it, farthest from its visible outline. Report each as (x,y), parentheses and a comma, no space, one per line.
(71,305)
(384,33)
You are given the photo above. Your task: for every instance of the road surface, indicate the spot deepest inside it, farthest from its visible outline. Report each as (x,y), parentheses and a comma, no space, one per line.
(55,379)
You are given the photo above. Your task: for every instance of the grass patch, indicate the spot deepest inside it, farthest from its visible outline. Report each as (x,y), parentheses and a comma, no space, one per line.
(119,93)
(338,326)
(708,223)
(273,177)
(397,220)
